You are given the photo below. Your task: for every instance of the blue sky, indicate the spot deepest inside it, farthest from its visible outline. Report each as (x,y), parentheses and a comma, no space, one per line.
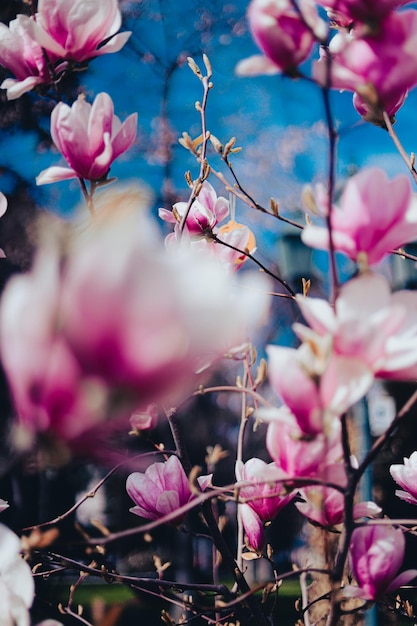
(278,121)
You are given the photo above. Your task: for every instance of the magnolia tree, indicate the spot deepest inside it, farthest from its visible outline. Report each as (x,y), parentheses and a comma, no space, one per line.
(115,329)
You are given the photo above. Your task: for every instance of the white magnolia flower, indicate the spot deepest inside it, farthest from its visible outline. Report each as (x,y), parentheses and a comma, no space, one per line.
(16,582)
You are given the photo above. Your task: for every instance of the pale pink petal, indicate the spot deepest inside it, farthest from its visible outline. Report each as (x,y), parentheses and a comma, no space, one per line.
(3,204)
(256,65)
(345,381)
(253,526)
(115,44)
(16,88)
(55,174)
(402,579)
(126,135)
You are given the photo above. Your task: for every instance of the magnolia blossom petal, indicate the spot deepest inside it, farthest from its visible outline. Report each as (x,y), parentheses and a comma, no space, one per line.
(3,204)
(402,579)
(126,135)
(16,88)
(115,44)
(256,65)
(55,174)
(345,381)
(254,527)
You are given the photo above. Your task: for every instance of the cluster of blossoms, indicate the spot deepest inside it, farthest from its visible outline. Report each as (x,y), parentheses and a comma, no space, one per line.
(200,225)
(149,320)
(37,49)
(143,329)
(372,54)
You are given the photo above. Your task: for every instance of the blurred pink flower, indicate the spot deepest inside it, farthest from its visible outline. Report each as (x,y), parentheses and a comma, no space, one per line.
(376,216)
(206,211)
(46,381)
(405,475)
(78,30)
(90,138)
(161,490)
(144,418)
(376,554)
(116,320)
(22,56)
(369,324)
(285,37)
(384,64)
(361,10)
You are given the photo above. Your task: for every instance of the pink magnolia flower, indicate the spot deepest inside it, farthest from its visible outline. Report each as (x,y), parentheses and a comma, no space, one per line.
(325,505)
(90,138)
(205,213)
(296,455)
(376,554)
(369,324)
(254,528)
(144,418)
(285,37)
(78,30)
(161,490)
(376,215)
(46,381)
(315,384)
(234,240)
(405,475)
(150,314)
(22,56)
(362,10)
(116,320)
(380,68)
(266,497)
(239,236)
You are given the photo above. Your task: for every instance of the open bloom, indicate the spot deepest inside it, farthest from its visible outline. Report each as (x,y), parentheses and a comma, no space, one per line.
(264,498)
(368,323)
(22,56)
(376,554)
(316,384)
(380,68)
(205,213)
(285,37)
(376,215)
(405,475)
(90,138)
(117,320)
(161,490)
(78,30)
(16,582)
(296,455)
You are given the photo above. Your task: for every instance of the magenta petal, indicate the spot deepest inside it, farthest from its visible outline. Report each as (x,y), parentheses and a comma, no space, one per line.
(126,135)
(402,579)
(253,526)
